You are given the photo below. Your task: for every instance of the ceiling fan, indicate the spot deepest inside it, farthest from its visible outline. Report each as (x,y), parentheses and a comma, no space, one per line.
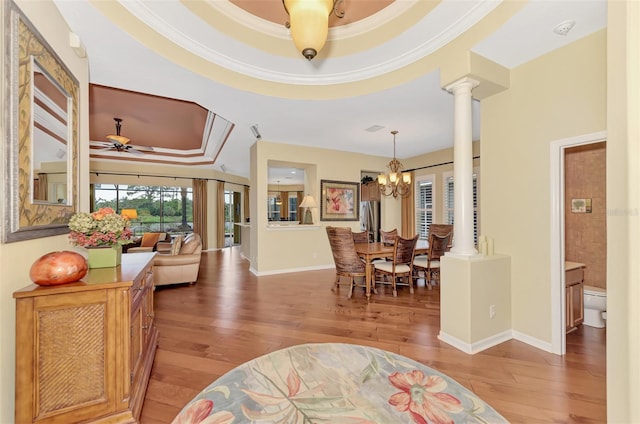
(120,143)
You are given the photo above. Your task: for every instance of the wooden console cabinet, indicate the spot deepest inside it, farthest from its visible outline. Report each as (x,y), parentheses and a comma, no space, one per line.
(84,350)
(574,286)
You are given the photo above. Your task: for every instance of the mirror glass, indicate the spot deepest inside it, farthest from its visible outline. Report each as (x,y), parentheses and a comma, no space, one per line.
(50,160)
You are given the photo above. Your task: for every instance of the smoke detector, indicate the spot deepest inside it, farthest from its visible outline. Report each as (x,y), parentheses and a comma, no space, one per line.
(564,27)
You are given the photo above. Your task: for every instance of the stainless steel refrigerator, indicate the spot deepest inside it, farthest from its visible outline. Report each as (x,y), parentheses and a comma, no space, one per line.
(370,219)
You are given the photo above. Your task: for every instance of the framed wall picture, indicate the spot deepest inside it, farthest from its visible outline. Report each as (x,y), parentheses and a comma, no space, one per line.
(339,201)
(581,205)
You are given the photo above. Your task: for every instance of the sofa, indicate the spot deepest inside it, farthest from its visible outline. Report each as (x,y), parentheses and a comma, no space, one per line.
(181,263)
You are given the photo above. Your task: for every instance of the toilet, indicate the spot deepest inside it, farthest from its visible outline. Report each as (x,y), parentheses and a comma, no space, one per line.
(595,306)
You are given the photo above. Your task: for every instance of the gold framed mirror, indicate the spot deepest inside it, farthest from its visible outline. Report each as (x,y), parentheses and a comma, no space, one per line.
(41,166)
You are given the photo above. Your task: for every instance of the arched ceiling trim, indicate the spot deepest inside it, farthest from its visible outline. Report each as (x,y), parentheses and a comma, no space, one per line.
(318,85)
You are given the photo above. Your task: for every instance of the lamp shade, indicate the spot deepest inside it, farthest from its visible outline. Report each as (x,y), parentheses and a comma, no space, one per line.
(309,24)
(308,202)
(129,213)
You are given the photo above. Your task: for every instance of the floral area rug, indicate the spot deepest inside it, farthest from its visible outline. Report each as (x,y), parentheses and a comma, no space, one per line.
(339,384)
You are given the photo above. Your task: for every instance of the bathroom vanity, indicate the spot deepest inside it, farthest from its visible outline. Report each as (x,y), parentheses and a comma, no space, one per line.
(574,297)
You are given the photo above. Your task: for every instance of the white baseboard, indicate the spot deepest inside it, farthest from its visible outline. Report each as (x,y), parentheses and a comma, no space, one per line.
(288,270)
(540,344)
(478,346)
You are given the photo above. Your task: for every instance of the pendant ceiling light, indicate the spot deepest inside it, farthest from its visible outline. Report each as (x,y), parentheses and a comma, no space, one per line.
(309,23)
(278,198)
(395,183)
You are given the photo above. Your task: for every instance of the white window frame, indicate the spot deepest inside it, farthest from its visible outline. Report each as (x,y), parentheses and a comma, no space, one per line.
(273,210)
(448,212)
(293,211)
(418,209)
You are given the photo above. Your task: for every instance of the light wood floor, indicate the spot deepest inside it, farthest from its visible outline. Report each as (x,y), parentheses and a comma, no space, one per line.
(231,316)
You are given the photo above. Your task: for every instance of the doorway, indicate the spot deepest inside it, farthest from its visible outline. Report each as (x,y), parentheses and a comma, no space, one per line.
(558,240)
(232,215)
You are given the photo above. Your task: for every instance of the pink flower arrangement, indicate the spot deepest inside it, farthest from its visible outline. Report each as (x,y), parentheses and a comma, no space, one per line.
(101,228)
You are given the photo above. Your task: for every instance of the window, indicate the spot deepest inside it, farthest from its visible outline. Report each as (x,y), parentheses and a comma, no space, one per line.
(448,202)
(293,206)
(273,209)
(160,208)
(424,190)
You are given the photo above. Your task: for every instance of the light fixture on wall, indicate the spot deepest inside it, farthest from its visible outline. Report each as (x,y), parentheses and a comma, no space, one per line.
(308,202)
(309,23)
(395,183)
(278,198)
(256,133)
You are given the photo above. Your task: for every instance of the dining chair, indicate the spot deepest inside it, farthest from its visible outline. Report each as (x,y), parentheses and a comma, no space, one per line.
(388,237)
(441,229)
(348,263)
(430,264)
(361,237)
(401,264)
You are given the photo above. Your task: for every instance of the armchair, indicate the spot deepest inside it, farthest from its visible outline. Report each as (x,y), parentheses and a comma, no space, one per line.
(147,243)
(182,264)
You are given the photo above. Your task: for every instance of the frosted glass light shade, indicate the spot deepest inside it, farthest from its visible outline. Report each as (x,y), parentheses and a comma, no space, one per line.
(309,24)
(308,202)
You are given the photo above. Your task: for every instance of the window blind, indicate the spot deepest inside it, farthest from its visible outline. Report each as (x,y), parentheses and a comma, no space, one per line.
(424,207)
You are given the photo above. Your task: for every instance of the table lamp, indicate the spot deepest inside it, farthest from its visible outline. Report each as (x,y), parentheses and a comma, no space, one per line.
(129,213)
(308,202)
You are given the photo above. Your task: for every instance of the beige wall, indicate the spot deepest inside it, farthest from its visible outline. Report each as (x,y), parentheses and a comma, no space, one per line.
(16,258)
(623,219)
(586,233)
(272,249)
(560,95)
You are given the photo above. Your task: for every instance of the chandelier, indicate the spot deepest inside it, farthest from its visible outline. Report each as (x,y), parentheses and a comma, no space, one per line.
(309,23)
(278,198)
(395,183)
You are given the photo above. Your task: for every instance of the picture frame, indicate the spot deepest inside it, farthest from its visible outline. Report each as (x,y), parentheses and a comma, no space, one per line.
(339,200)
(42,188)
(581,205)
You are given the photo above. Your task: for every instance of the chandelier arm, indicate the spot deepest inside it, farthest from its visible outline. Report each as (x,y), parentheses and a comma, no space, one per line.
(404,189)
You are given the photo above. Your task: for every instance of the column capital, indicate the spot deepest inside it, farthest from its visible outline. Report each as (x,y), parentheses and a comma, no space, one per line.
(465,82)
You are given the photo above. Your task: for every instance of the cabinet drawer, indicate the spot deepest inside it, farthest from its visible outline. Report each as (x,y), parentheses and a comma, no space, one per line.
(574,276)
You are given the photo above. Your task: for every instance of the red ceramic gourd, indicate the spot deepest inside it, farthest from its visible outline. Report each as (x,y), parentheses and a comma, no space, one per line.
(58,268)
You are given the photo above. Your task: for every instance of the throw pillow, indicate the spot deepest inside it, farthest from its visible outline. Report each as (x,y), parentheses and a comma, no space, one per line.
(176,244)
(149,239)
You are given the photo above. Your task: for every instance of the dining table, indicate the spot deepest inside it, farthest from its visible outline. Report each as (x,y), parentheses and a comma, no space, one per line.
(378,250)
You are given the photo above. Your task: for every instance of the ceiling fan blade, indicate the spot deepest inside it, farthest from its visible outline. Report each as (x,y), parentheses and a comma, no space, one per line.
(130,149)
(142,148)
(101,144)
(120,139)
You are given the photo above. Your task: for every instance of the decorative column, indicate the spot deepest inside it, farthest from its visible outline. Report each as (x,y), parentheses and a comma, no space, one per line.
(462,168)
